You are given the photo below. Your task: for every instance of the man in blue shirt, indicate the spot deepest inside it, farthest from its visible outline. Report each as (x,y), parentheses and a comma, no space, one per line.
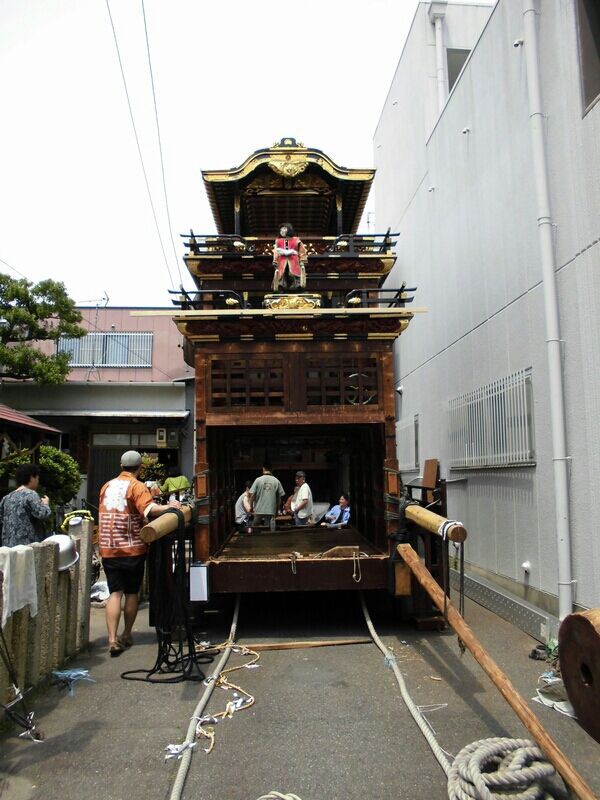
(339,514)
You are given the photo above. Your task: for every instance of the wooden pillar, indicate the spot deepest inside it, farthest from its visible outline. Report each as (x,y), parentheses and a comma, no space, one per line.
(387,399)
(340,218)
(202,483)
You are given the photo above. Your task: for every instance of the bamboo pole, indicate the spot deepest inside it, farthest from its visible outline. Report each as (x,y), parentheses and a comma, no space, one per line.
(432,522)
(501,681)
(163,525)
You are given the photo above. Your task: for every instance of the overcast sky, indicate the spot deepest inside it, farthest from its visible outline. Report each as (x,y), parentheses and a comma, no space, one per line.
(230,77)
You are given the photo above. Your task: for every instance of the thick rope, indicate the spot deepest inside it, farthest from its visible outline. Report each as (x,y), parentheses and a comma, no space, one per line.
(517,768)
(190,739)
(390,660)
(278,796)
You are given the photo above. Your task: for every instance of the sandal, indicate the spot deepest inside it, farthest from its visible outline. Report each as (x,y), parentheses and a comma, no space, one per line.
(125,641)
(115,649)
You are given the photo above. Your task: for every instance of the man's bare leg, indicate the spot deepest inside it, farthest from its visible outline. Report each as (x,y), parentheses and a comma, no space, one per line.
(129,615)
(113,615)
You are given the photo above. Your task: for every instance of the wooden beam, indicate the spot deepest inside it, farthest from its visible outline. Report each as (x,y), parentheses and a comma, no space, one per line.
(258,312)
(432,522)
(264,646)
(500,680)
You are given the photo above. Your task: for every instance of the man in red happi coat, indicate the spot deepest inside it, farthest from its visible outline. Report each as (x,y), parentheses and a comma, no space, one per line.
(289,260)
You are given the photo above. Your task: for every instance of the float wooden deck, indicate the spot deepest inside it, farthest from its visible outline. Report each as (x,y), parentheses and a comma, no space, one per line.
(294,560)
(307,541)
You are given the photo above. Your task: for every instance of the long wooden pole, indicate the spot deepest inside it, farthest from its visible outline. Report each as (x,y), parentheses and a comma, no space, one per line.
(555,755)
(432,522)
(305,644)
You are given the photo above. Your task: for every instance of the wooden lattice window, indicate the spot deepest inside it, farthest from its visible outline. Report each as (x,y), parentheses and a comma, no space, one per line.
(246,382)
(343,381)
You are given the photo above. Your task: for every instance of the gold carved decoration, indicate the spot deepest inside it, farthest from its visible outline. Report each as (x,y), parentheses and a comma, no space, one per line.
(314,182)
(262,182)
(295,302)
(289,165)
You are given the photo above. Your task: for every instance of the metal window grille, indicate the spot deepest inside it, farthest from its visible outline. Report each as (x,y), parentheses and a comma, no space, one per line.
(492,426)
(110,349)
(408,444)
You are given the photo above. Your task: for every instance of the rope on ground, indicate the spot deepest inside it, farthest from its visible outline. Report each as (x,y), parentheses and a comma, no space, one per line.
(278,796)
(190,738)
(513,767)
(517,768)
(390,659)
(241,698)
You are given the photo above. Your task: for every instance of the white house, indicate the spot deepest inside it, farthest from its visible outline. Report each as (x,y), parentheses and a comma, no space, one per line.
(492,179)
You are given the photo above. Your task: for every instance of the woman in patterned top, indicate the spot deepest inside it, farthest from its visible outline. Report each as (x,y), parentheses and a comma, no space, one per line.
(22,512)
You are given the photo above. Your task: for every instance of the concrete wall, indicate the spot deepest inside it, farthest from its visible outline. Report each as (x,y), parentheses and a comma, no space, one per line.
(471,246)
(60,629)
(77,398)
(411,109)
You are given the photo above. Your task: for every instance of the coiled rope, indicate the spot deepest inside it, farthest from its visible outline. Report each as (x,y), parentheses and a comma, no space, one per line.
(517,768)
(278,796)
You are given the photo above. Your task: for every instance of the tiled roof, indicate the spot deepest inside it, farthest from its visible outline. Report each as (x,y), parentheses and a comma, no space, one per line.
(15,417)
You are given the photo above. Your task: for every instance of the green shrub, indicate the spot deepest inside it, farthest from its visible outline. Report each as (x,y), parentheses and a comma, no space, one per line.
(60,478)
(152,469)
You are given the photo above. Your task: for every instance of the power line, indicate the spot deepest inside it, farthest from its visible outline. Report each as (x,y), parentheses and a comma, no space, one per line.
(10,266)
(162,163)
(94,325)
(137,141)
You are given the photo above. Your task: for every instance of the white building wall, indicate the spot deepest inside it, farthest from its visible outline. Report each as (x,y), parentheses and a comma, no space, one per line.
(471,246)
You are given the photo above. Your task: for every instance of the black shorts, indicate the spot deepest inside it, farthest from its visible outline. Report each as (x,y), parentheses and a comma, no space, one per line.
(124,573)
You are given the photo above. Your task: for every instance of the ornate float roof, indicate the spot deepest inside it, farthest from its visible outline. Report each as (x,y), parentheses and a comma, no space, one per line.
(288,182)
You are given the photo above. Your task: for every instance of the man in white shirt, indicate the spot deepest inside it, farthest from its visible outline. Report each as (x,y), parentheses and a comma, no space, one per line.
(302,503)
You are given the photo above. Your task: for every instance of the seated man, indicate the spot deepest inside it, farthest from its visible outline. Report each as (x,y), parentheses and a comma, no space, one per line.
(339,514)
(243,507)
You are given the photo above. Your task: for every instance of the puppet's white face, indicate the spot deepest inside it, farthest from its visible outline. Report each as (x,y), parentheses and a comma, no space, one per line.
(283,231)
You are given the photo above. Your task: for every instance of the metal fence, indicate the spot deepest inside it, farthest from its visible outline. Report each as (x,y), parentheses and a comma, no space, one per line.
(492,426)
(109,349)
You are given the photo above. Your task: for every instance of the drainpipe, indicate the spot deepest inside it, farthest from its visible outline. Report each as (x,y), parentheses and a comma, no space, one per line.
(437,12)
(560,458)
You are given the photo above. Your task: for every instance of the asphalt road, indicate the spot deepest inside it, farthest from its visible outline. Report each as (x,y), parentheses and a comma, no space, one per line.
(327,722)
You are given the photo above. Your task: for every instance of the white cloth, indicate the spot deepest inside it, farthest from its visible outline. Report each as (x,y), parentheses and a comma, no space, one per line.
(19,588)
(303,493)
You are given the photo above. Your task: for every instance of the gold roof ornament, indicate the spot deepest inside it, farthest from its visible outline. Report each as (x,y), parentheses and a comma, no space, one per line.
(289,166)
(295,302)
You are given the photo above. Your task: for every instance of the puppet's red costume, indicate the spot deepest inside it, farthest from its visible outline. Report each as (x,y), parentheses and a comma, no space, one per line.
(289,261)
